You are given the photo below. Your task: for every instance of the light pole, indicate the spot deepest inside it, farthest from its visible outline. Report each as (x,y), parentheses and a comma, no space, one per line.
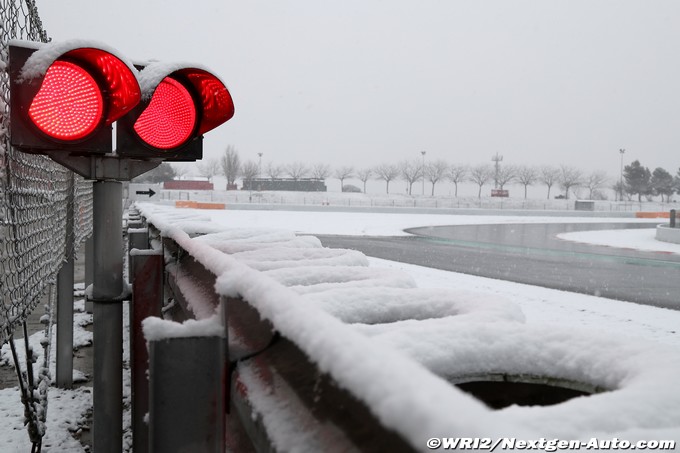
(622,151)
(497,159)
(259,166)
(422,170)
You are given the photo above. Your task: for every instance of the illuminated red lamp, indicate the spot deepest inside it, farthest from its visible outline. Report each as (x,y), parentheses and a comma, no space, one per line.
(69,105)
(67,100)
(170,119)
(178,107)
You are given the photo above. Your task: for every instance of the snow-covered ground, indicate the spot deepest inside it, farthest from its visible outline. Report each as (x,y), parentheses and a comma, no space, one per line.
(622,345)
(377,224)
(639,239)
(67,409)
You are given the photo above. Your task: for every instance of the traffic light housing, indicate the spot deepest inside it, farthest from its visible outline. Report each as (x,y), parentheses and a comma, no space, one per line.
(66,97)
(179,104)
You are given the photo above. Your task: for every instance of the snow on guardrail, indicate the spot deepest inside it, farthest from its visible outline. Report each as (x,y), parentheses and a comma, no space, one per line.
(398,348)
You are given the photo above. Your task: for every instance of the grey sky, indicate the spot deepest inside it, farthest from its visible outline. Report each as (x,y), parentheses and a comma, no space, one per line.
(360,82)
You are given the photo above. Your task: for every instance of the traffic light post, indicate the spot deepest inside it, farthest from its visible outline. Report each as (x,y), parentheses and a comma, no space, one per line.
(64,99)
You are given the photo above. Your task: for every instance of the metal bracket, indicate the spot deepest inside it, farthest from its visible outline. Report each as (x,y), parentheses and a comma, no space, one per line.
(125,295)
(104,167)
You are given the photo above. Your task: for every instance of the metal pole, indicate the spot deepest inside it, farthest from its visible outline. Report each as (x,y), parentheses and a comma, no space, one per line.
(65,304)
(147,299)
(138,238)
(89,269)
(108,317)
(622,152)
(65,325)
(423,170)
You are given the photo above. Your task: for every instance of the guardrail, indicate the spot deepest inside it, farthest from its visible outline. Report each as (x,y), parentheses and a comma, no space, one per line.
(231,371)
(296,377)
(309,349)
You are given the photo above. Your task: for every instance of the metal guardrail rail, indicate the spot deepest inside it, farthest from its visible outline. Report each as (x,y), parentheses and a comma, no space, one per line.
(266,328)
(256,357)
(280,390)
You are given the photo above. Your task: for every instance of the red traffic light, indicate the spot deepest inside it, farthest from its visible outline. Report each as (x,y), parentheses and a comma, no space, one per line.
(170,118)
(69,105)
(65,96)
(178,105)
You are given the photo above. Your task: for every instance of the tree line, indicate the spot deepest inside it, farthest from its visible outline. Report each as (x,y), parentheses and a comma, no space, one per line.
(636,180)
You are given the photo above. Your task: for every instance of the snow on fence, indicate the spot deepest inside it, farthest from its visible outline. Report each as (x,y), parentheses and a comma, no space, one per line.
(325,350)
(45,213)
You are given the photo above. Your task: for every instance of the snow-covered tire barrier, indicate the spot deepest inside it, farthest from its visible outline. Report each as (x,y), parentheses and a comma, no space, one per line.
(629,380)
(327,351)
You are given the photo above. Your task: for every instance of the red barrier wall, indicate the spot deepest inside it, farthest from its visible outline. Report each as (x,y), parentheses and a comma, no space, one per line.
(187,185)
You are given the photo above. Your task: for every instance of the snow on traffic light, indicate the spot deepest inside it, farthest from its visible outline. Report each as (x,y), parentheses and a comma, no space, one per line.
(179,104)
(65,97)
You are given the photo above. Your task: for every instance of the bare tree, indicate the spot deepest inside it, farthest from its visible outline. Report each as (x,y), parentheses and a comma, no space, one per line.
(364,175)
(480,175)
(343,173)
(321,171)
(208,168)
(273,171)
(180,170)
(457,173)
(436,171)
(249,171)
(595,181)
(549,176)
(231,165)
(526,176)
(569,178)
(410,171)
(505,175)
(297,170)
(387,173)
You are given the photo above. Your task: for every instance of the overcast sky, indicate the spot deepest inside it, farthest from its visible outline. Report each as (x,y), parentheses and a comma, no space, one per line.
(360,82)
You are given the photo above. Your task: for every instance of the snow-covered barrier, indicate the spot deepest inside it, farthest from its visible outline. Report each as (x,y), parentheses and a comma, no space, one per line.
(312,332)
(668,234)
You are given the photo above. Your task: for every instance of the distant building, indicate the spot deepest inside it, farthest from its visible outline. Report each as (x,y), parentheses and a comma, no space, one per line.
(187,185)
(289,184)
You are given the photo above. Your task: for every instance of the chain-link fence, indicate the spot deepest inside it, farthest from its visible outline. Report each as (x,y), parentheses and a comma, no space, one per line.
(35,196)
(37,199)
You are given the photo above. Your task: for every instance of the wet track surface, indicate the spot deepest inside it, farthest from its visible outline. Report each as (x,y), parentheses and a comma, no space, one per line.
(532,254)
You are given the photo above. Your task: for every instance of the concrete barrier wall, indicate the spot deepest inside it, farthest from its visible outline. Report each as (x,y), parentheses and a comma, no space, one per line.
(668,234)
